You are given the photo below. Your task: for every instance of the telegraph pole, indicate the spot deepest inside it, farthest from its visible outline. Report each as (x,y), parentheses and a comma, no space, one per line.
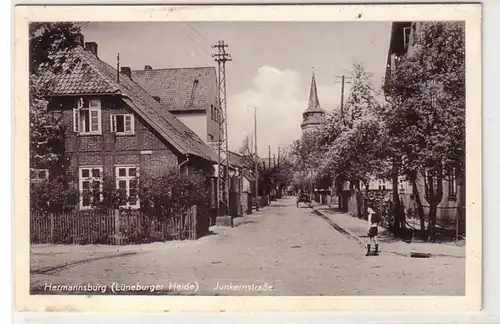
(223,180)
(342,81)
(256,164)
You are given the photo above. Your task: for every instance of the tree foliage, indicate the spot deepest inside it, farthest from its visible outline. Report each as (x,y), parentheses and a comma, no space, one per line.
(49,44)
(172,191)
(426,114)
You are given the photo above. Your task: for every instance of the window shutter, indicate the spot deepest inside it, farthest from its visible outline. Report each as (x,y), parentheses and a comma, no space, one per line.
(127,123)
(112,123)
(99,121)
(132,124)
(75,119)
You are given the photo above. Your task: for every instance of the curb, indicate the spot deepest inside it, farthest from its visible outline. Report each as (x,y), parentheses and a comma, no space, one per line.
(337,227)
(345,231)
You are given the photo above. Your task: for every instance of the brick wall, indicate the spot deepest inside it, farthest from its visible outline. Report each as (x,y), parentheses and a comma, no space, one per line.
(110,149)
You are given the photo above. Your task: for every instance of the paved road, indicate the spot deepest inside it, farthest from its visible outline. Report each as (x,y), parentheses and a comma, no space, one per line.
(291,249)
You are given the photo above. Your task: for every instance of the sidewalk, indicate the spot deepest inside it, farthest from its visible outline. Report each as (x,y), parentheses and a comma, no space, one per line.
(358,228)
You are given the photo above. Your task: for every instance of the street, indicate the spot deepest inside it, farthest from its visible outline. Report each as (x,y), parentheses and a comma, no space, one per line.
(280,250)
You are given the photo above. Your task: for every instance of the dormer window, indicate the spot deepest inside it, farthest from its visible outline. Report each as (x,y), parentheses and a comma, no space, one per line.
(87,117)
(122,124)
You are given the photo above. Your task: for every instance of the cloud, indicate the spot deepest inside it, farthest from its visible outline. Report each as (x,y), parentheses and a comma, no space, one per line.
(281,96)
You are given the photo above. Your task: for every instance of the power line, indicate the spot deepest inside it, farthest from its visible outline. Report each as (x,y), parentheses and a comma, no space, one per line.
(198,34)
(195,42)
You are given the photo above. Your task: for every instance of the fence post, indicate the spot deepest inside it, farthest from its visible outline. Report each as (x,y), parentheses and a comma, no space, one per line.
(51,237)
(118,234)
(195,221)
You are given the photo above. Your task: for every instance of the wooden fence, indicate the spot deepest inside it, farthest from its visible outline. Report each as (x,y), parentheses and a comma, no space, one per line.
(116,227)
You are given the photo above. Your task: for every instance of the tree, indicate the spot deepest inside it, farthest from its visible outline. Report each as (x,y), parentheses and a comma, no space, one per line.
(305,157)
(353,143)
(49,44)
(426,115)
(278,174)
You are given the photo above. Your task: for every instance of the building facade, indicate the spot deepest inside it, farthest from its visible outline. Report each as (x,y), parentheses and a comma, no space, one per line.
(115,129)
(190,94)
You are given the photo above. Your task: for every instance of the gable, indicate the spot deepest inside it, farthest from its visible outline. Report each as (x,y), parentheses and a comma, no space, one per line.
(106,81)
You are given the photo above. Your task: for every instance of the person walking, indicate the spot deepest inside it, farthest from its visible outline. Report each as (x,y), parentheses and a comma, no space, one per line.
(373,220)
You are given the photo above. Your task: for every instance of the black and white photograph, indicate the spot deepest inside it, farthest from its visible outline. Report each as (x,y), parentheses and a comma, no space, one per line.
(248,158)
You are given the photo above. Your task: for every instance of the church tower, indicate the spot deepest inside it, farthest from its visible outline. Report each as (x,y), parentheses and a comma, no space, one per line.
(314,115)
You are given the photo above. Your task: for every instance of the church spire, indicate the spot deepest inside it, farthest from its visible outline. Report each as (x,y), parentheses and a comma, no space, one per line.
(313,97)
(314,115)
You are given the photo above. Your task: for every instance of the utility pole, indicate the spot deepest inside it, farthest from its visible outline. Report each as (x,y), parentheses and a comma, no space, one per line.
(343,82)
(223,180)
(269,157)
(256,164)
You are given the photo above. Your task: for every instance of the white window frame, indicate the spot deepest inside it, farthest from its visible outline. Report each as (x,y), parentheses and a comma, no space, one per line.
(93,106)
(112,122)
(406,36)
(36,179)
(127,179)
(91,179)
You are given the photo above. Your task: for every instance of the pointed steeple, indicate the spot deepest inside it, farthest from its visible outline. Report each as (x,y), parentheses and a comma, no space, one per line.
(313,116)
(313,97)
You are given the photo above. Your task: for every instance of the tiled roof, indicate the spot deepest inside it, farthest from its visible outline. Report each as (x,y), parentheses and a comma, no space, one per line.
(248,174)
(180,89)
(236,160)
(93,76)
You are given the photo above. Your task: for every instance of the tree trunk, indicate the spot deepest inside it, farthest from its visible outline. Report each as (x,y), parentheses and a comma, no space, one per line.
(461,203)
(433,195)
(431,227)
(395,198)
(359,196)
(418,201)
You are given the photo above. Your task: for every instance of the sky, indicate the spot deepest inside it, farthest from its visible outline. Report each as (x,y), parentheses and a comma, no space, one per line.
(271,68)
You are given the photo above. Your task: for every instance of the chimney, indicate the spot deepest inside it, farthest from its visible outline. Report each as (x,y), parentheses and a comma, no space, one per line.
(127,71)
(91,47)
(80,39)
(147,67)
(157,98)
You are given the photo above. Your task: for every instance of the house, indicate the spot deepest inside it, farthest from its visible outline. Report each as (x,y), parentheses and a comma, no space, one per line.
(405,38)
(114,128)
(190,94)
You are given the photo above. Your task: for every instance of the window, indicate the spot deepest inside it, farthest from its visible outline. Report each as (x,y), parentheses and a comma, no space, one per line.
(406,36)
(210,138)
(402,185)
(212,112)
(87,117)
(122,124)
(39,175)
(90,186)
(452,185)
(126,184)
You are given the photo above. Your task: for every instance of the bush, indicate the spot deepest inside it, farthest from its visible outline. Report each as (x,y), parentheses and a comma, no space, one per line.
(53,196)
(172,191)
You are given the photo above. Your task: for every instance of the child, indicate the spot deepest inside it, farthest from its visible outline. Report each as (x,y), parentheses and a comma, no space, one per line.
(373,220)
